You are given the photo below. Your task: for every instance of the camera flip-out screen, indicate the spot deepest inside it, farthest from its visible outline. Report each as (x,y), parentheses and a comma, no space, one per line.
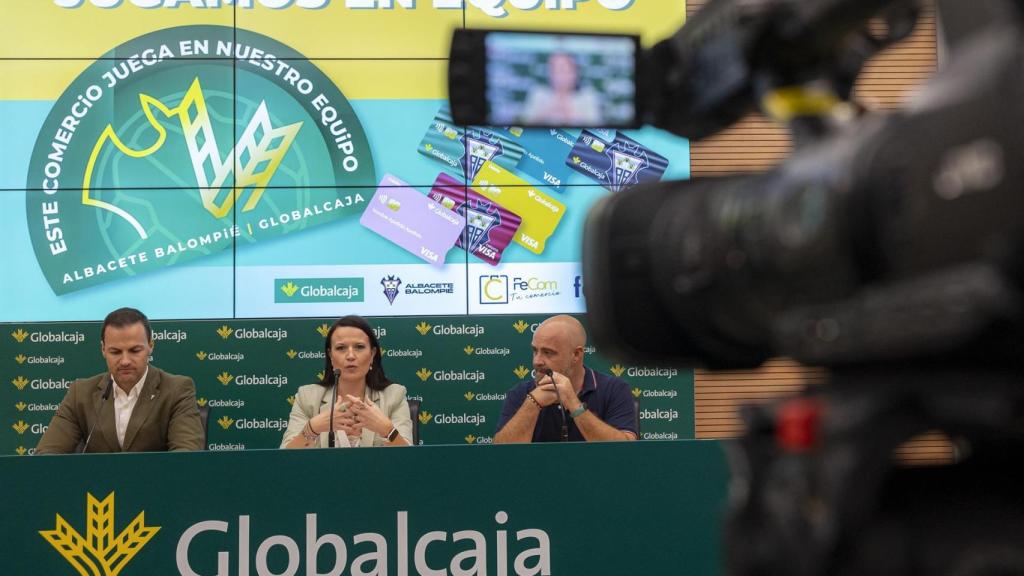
(547,79)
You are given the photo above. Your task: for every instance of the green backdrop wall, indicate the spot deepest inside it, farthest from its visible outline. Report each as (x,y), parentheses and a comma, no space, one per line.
(247,372)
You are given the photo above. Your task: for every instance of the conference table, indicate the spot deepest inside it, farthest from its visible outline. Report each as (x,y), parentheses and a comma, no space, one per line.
(563,509)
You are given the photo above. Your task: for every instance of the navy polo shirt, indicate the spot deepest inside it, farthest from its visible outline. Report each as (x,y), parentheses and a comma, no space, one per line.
(608,397)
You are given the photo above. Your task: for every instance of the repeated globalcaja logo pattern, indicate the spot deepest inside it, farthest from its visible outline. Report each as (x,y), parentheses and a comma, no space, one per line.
(247,373)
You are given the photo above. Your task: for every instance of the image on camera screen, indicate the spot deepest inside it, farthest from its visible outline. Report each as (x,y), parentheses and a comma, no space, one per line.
(560,80)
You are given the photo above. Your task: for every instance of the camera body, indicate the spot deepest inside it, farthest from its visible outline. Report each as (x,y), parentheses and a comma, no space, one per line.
(894,238)
(888,248)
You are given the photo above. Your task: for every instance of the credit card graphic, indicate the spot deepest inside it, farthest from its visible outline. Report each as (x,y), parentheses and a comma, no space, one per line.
(540,212)
(415,222)
(463,151)
(618,164)
(545,152)
(490,227)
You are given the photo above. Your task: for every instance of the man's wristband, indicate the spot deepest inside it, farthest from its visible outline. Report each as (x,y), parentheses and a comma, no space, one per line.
(578,411)
(530,396)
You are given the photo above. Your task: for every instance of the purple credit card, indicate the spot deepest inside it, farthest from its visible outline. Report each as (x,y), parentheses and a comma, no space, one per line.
(489,227)
(405,216)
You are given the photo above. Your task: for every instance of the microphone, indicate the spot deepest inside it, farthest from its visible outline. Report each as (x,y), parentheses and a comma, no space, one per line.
(334,400)
(96,416)
(561,409)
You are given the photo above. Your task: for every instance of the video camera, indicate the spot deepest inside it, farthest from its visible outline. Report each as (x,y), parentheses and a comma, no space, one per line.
(888,248)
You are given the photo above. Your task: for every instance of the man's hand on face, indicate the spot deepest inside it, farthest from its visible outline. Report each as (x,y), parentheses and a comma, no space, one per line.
(545,391)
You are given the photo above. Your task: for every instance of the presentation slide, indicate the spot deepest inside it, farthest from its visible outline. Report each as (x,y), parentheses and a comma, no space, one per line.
(260,159)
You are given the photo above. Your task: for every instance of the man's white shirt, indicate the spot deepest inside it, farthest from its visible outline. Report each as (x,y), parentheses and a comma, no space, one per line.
(124,404)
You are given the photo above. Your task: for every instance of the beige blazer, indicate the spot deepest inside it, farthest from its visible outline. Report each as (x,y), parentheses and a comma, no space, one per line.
(165,417)
(313,399)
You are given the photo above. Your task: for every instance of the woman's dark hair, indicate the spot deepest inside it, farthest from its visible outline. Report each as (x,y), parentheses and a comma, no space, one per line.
(375,378)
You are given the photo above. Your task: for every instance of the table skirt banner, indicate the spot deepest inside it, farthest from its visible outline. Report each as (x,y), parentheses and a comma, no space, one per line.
(648,508)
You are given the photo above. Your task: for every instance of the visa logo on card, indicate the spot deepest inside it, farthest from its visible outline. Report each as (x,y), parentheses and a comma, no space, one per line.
(411,220)
(546,151)
(540,213)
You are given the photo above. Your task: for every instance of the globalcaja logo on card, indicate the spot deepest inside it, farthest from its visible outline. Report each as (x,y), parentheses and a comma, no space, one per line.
(168,180)
(617,164)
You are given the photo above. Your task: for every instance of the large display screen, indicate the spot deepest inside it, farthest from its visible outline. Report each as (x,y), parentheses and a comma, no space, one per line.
(290,159)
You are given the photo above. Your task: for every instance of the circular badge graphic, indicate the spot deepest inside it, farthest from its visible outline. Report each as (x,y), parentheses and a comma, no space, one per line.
(180,143)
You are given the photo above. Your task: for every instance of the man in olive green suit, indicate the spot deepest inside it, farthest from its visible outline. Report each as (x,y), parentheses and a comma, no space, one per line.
(134,407)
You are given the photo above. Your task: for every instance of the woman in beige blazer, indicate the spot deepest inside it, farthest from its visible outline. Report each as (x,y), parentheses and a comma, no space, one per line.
(370,410)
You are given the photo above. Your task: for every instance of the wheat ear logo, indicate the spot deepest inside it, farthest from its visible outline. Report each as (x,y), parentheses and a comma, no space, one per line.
(320,376)
(20,450)
(201,355)
(225,422)
(20,426)
(637,392)
(201,401)
(469,438)
(224,378)
(618,369)
(423,373)
(521,371)
(256,156)
(425,417)
(19,335)
(289,289)
(423,328)
(290,400)
(224,331)
(469,396)
(468,350)
(322,330)
(291,354)
(21,406)
(20,382)
(520,326)
(20,358)
(100,553)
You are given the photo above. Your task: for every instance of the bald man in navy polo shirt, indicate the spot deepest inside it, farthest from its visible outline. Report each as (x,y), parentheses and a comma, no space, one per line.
(595,406)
